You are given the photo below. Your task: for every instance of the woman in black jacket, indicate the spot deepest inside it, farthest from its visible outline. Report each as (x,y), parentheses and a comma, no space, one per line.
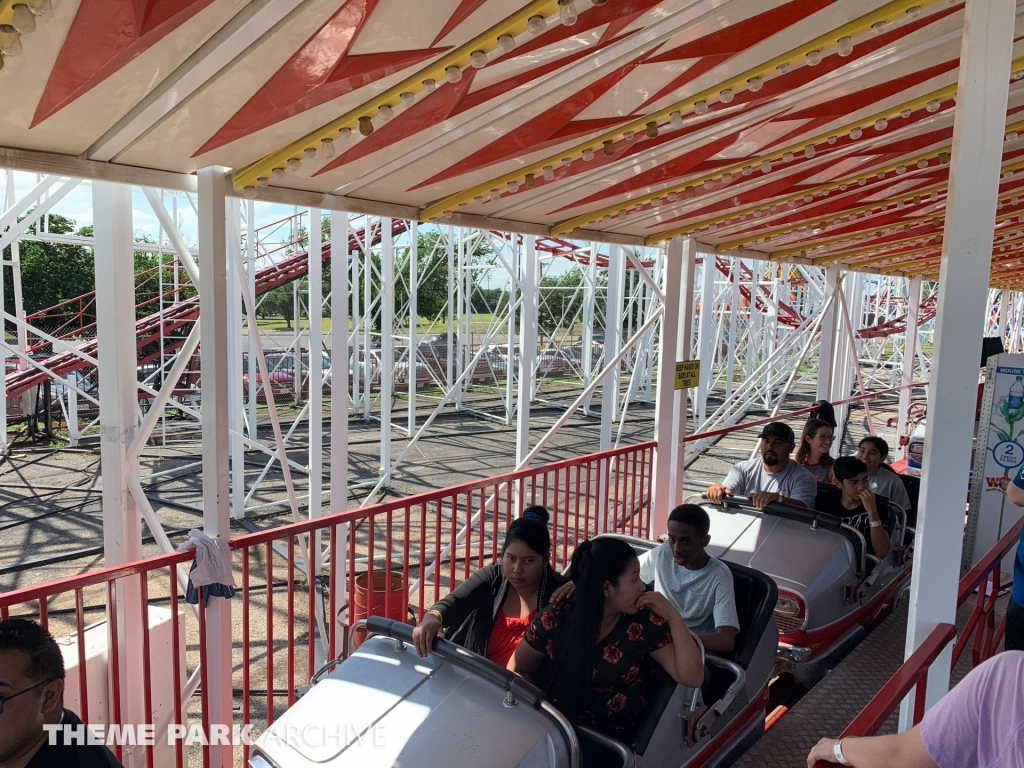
(489,612)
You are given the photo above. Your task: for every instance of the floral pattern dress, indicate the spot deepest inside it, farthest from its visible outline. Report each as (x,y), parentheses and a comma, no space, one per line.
(623,666)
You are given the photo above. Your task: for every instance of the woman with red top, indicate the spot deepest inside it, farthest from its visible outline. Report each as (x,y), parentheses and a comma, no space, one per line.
(489,612)
(813,451)
(594,653)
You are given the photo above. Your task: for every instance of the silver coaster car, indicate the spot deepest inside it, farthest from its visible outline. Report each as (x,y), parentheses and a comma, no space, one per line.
(831,592)
(384,706)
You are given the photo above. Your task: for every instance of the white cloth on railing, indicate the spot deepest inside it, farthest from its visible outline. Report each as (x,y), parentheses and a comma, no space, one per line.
(212,566)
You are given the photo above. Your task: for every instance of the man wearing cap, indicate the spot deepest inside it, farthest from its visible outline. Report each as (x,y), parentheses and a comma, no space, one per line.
(771,478)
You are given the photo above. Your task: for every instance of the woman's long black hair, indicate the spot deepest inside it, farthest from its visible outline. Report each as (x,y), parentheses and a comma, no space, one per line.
(532,530)
(594,562)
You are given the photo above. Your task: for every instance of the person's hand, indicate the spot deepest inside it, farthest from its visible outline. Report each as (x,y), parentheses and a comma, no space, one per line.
(717,493)
(564,592)
(659,604)
(867,498)
(823,750)
(762,499)
(424,633)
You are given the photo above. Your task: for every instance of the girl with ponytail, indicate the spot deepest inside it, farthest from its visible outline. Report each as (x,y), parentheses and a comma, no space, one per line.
(490,610)
(594,653)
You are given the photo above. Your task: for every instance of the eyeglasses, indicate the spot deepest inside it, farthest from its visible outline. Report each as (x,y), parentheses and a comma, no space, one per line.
(826,438)
(5,699)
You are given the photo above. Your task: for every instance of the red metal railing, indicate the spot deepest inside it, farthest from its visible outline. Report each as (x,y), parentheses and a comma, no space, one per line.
(291,616)
(983,579)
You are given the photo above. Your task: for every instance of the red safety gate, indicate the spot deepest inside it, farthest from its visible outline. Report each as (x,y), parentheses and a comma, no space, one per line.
(427,544)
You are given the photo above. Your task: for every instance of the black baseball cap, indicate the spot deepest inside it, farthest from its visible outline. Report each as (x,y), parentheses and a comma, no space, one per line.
(778,430)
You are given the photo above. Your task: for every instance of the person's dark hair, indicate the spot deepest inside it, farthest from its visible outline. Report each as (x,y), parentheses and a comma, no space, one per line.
(532,530)
(594,562)
(45,659)
(848,467)
(878,442)
(691,514)
(803,450)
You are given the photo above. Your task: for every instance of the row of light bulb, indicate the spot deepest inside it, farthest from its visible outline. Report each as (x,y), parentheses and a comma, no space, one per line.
(23,22)
(505,43)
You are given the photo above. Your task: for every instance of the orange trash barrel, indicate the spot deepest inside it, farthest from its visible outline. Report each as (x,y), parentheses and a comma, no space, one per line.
(373,602)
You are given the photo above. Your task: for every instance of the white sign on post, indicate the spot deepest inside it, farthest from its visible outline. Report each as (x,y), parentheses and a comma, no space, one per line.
(998,458)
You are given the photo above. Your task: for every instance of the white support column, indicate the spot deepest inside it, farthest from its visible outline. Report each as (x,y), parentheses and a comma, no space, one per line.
(827,346)
(367,321)
(118,385)
(754,326)
(236,416)
(387,343)
(316,364)
(450,345)
(8,202)
(213,306)
(414,319)
(73,433)
(339,405)
(734,314)
(612,341)
(510,347)
(986,51)
(909,357)
(666,413)
(527,345)
(587,345)
(706,335)
(684,351)
(1002,323)
(253,254)
(297,341)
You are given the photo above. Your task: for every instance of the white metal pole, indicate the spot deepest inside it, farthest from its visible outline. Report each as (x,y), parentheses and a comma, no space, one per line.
(367,319)
(510,352)
(236,415)
(827,346)
(909,355)
(253,252)
(73,434)
(980,117)
(734,314)
(587,338)
(339,403)
(387,343)
(316,365)
(612,341)
(213,302)
(684,351)
(706,335)
(452,279)
(414,320)
(665,414)
(527,345)
(8,203)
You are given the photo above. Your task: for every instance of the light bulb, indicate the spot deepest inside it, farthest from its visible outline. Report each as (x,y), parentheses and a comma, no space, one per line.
(327,148)
(1017,75)
(651,130)
(880,174)
(566,161)
(808,198)
(40,7)
(755,84)
(263,181)
(385,112)
(672,197)
(622,214)
(277,173)
(549,173)
(845,45)
(914,11)
(567,12)
(944,159)
(726,178)
(495,195)
(429,85)
(856,133)
(506,43)
(757,214)
(787,157)
(933,105)
(905,113)
(900,205)
(709,184)
(726,96)
(447,214)
(900,170)
(922,164)
(628,135)
(536,24)
(881,124)
(1010,136)
(407,98)
(588,154)
(478,59)
(688,192)
(365,126)
(309,152)
(294,164)
(783,67)
(609,148)
(878,27)
(23,19)
(655,202)
(249,192)
(530,181)
(813,58)
(10,40)
(463,206)
(452,74)
(747,170)
(700,107)
(766,165)
(346,132)
(513,186)
(676,119)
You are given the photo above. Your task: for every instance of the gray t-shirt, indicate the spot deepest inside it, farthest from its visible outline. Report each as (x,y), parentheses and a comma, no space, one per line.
(888,484)
(705,598)
(794,482)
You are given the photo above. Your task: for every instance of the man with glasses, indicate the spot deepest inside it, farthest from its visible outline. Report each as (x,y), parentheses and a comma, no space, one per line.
(773,477)
(32,697)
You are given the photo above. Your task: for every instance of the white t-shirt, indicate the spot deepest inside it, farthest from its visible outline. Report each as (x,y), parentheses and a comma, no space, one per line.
(705,598)
(888,484)
(794,482)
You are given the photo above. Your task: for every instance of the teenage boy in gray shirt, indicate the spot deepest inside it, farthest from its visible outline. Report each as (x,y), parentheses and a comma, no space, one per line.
(699,585)
(773,477)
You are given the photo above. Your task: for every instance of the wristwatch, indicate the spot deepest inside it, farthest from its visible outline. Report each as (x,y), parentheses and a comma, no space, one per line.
(837,751)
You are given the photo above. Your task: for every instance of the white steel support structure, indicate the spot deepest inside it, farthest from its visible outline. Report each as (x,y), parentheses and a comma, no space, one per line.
(387,344)
(213,302)
(986,51)
(340,353)
(587,336)
(316,367)
(667,404)
(684,349)
(827,347)
(909,358)
(236,415)
(119,420)
(705,334)
(527,344)
(414,321)
(612,342)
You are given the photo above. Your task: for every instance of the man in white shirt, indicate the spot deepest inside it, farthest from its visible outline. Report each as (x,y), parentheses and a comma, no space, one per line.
(699,585)
(773,477)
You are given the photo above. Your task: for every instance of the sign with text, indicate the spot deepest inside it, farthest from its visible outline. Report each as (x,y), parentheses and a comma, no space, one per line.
(687,374)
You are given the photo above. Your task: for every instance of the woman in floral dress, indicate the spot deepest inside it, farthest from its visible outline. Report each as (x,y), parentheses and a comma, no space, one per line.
(594,653)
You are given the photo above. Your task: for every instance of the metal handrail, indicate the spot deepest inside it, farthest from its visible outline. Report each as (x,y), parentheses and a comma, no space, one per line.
(612,745)
(733,690)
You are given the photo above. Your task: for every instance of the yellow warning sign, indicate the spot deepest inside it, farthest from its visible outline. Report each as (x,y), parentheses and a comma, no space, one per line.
(687,374)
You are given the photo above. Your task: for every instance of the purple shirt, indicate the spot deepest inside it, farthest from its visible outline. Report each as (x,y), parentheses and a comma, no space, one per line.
(980,722)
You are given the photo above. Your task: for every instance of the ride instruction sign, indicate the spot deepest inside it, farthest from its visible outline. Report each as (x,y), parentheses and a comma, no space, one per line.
(687,374)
